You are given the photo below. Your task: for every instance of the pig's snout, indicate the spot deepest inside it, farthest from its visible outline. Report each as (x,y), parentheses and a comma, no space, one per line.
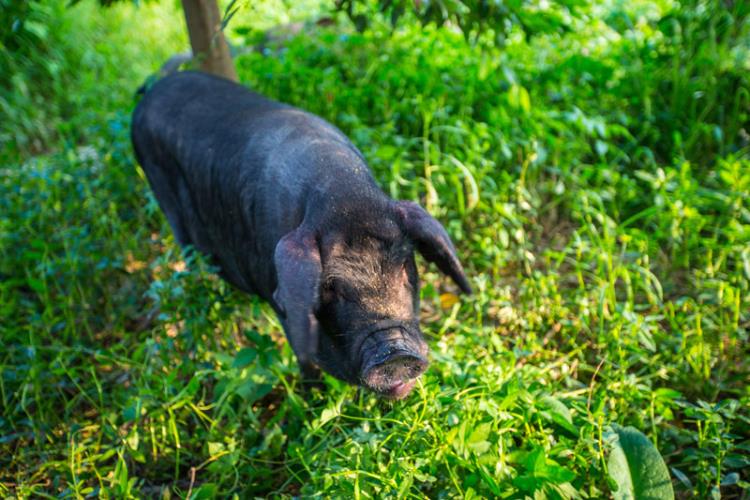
(396,375)
(392,360)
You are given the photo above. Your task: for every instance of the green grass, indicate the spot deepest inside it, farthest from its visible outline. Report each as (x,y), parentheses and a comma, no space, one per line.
(597,187)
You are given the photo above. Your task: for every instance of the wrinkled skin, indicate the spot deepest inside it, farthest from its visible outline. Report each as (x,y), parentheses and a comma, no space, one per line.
(371,290)
(287,208)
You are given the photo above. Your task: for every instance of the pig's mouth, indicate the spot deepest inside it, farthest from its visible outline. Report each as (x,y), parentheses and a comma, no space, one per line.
(393,357)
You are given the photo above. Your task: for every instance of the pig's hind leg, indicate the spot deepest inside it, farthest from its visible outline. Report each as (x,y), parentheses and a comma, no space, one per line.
(169,201)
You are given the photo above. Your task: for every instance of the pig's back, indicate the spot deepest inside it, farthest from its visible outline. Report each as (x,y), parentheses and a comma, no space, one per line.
(242,170)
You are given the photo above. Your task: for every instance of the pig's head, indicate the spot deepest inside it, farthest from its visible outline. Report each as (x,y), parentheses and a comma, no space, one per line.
(356,297)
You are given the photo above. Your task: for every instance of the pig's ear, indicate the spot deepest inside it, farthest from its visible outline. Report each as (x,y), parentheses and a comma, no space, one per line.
(298,269)
(432,241)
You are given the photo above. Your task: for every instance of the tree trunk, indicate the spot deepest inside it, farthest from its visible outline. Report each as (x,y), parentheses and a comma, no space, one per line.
(210,49)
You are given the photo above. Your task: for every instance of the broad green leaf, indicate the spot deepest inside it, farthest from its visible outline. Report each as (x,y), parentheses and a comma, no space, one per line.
(329,414)
(636,466)
(558,413)
(477,441)
(667,394)
(214,448)
(558,474)
(252,391)
(541,471)
(244,357)
(206,490)
(536,462)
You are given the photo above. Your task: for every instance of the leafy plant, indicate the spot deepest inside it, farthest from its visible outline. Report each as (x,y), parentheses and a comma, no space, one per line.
(636,467)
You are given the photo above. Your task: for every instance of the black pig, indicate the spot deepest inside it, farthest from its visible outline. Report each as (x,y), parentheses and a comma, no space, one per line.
(288,209)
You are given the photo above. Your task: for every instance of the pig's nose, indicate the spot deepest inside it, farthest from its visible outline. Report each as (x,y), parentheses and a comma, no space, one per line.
(399,367)
(395,376)
(392,359)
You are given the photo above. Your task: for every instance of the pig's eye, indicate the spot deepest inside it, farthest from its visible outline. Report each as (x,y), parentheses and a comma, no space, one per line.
(343,291)
(326,291)
(333,290)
